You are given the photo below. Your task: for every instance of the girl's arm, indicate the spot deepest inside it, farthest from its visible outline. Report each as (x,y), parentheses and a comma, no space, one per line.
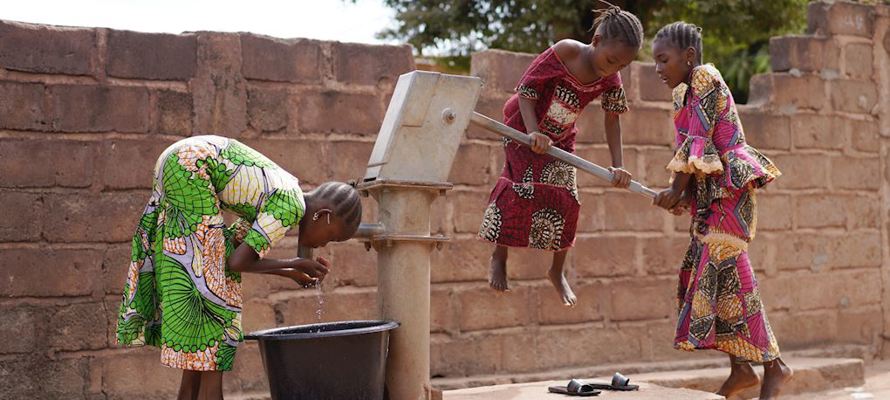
(540,142)
(529,118)
(686,199)
(245,259)
(669,197)
(620,177)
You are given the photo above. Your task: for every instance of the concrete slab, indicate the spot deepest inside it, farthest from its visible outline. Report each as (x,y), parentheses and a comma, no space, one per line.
(810,375)
(538,391)
(877,386)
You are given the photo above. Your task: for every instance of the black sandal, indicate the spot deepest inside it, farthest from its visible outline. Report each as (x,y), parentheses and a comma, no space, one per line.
(619,383)
(575,388)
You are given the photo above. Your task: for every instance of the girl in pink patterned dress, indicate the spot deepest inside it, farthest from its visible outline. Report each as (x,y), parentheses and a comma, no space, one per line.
(715,173)
(535,202)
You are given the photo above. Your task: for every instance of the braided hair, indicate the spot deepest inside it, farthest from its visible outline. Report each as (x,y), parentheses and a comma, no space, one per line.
(615,23)
(345,201)
(683,35)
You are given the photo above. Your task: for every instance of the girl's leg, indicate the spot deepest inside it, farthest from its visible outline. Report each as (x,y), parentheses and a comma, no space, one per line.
(190,386)
(775,374)
(497,277)
(741,377)
(558,278)
(211,385)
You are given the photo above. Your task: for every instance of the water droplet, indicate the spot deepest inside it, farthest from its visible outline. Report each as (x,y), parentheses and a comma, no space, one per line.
(319,295)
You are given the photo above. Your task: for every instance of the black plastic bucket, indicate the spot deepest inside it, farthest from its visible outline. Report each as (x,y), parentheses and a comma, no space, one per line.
(329,361)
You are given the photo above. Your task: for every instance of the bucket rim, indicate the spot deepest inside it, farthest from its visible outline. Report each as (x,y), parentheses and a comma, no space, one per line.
(269,334)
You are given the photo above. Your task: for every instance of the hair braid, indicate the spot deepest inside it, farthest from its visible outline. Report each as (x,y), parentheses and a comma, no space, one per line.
(682,35)
(615,23)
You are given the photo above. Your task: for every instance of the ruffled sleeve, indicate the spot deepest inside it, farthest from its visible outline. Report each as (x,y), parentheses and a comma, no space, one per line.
(544,68)
(697,155)
(707,101)
(748,167)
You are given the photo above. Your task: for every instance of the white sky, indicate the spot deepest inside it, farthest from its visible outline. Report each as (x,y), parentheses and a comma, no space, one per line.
(319,19)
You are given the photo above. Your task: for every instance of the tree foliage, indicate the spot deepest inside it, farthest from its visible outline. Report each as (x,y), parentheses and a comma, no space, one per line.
(736,32)
(458,27)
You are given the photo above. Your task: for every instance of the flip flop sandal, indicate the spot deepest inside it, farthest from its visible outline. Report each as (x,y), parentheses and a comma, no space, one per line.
(619,383)
(575,388)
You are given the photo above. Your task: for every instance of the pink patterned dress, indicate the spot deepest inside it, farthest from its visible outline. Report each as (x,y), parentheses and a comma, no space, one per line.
(535,201)
(719,302)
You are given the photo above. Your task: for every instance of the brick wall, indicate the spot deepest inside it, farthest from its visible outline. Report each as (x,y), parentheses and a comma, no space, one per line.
(85,112)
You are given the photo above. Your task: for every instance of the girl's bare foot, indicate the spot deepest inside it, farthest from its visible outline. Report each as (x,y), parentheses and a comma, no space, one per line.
(562,287)
(497,275)
(775,375)
(741,377)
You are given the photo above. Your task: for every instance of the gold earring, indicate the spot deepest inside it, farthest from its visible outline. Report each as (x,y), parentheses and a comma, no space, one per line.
(328,215)
(689,63)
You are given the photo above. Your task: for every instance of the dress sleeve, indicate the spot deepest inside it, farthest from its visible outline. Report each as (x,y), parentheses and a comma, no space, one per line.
(542,69)
(707,102)
(614,99)
(279,212)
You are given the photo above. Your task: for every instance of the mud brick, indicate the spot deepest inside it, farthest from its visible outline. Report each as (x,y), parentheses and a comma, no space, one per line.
(129,164)
(477,304)
(74,327)
(765,131)
(76,218)
(266,109)
(605,256)
(174,113)
(472,165)
(804,53)
(47,49)
(218,89)
(643,299)
(364,64)
(840,18)
(334,111)
(46,163)
(500,70)
(158,56)
(858,60)
(855,173)
(651,86)
(855,96)
(23,216)
(812,131)
(21,106)
(282,60)
(52,272)
(87,108)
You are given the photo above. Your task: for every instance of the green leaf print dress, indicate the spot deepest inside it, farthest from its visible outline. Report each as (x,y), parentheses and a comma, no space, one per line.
(179,295)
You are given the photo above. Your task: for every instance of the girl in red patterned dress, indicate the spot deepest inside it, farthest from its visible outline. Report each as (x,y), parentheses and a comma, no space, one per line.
(535,201)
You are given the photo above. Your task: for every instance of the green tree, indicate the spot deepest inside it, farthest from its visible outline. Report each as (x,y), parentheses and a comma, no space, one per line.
(736,32)
(458,27)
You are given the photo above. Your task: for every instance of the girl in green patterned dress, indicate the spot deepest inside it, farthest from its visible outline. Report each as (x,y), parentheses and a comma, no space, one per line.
(183,290)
